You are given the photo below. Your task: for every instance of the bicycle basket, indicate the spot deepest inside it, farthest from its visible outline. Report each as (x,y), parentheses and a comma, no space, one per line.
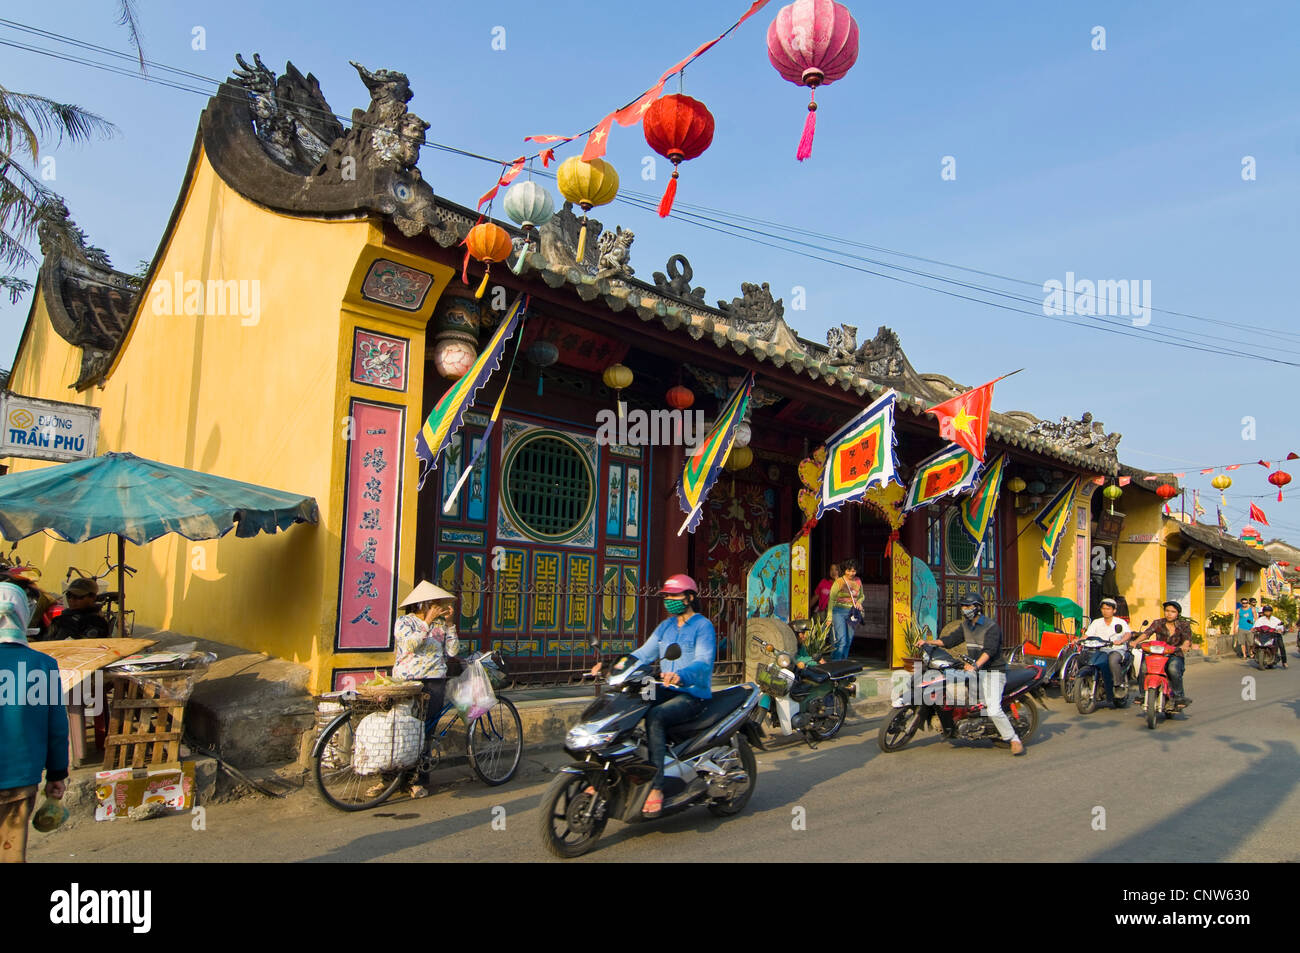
(774,679)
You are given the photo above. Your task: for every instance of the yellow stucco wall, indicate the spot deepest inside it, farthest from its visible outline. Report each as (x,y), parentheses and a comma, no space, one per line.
(1035,580)
(256,400)
(1140,554)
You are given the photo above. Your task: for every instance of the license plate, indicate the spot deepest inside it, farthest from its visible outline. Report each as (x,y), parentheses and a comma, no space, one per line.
(1040,662)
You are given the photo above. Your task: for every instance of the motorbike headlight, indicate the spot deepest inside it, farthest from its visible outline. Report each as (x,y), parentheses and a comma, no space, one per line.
(580,737)
(783,660)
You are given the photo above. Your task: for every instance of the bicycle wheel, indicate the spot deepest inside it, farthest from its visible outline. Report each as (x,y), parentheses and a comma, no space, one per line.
(496,743)
(338,783)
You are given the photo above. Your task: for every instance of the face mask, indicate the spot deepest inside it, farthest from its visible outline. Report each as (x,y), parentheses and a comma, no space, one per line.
(970,612)
(675,606)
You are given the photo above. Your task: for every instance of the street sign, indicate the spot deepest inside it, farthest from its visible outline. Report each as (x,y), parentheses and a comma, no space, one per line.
(47,429)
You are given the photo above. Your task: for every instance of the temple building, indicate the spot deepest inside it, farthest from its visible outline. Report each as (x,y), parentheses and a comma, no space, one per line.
(305,311)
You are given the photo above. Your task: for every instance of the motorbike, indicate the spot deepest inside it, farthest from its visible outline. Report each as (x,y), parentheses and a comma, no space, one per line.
(1158,696)
(940,687)
(1266,644)
(1090,688)
(710,759)
(799,697)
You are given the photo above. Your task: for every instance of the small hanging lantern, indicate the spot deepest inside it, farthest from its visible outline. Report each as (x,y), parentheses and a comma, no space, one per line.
(678,128)
(1221,483)
(586,184)
(1037,487)
(1166,491)
(530,207)
(1016,485)
(679,397)
(1279,478)
(616,378)
(739,458)
(743,435)
(488,243)
(542,354)
(1112,493)
(812,43)
(453,358)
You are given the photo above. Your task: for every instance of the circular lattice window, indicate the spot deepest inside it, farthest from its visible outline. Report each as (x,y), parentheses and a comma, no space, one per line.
(549,487)
(961,551)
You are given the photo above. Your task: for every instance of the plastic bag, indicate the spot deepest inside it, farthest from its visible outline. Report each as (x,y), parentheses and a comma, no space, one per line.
(387,741)
(471,691)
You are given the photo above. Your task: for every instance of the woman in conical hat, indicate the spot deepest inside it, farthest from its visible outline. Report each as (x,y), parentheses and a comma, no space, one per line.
(424,638)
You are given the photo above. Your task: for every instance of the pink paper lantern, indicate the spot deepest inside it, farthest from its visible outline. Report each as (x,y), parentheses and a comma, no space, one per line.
(812,43)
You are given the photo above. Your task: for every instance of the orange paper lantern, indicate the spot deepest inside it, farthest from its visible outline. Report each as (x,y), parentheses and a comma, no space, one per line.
(488,243)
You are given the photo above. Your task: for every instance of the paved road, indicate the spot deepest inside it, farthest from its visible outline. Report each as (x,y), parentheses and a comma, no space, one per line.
(1220,785)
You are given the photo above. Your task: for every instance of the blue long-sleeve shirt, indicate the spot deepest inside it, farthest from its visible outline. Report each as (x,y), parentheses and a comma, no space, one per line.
(33,738)
(699,647)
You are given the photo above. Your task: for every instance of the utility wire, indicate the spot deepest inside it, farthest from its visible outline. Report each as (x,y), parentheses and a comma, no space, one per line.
(733,228)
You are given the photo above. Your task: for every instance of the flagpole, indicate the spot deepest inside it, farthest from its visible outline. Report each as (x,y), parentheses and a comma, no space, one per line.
(689,517)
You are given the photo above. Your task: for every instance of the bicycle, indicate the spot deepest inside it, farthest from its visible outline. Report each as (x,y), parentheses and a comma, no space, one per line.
(494,746)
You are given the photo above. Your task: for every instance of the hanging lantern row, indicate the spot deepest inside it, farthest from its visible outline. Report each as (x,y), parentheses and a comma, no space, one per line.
(812,43)
(678,128)
(586,184)
(530,207)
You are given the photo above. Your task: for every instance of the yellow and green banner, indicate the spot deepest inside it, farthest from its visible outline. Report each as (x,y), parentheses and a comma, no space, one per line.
(706,460)
(1054,520)
(950,471)
(977,511)
(860,455)
(449,413)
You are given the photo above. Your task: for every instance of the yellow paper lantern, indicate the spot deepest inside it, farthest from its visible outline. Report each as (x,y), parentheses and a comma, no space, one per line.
(739,458)
(586,184)
(616,378)
(1016,485)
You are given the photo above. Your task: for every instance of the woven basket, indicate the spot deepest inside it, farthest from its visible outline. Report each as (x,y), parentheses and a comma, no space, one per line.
(391,690)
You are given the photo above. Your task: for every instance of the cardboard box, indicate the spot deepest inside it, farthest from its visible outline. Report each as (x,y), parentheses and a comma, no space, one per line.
(117,791)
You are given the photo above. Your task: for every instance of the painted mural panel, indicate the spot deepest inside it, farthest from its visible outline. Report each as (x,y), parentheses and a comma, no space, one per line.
(767,591)
(614,501)
(630,603)
(632,521)
(901,593)
(450,465)
(476,506)
(925,598)
(581,578)
(367,597)
(546,598)
(736,531)
(379,360)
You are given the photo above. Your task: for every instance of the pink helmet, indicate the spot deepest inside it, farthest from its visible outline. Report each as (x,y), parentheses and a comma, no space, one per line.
(677,584)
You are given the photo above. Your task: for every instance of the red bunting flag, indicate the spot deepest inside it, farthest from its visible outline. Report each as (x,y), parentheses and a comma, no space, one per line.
(598,140)
(1234,466)
(1208,470)
(1293,455)
(1099,480)
(1125,481)
(1257,514)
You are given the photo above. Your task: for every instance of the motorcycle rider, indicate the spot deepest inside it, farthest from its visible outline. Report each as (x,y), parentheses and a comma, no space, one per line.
(1177,632)
(1267,620)
(688,678)
(983,638)
(1104,628)
(82,618)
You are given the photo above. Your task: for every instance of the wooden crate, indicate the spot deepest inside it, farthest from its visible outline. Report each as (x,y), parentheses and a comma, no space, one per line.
(146,720)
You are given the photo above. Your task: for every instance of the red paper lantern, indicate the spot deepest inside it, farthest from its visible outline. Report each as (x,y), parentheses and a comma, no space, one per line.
(812,43)
(679,397)
(678,128)
(1279,478)
(1166,491)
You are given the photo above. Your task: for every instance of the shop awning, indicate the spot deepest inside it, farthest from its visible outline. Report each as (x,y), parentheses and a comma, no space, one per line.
(141,500)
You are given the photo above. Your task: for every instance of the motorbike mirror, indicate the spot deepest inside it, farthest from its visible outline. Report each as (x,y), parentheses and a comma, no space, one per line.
(674,652)
(1119,629)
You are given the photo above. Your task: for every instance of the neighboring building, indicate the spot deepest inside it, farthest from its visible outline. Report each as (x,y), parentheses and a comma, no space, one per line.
(302,302)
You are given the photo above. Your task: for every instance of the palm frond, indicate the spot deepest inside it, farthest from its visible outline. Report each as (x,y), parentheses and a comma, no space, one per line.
(14,255)
(37,116)
(14,127)
(15,286)
(129,18)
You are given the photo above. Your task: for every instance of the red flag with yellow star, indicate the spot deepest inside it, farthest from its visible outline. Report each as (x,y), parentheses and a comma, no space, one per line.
(964,419)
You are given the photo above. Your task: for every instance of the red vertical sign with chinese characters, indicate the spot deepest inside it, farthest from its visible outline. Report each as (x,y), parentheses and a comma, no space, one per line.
(370,527)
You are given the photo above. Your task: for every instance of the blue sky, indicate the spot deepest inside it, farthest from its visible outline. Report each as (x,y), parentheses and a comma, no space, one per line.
(1116,164)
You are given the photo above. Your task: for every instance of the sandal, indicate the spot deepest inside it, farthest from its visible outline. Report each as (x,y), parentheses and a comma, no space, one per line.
(654,799)
(418,791)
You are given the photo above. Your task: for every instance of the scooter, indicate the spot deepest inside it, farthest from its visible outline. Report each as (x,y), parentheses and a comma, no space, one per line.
(1158,696)
(1090,690)
(941,687)
(799,697)
(710,760)
(1265,643)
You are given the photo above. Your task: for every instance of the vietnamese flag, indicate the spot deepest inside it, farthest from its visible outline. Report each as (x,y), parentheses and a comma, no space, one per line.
(1257,514)
(964,419)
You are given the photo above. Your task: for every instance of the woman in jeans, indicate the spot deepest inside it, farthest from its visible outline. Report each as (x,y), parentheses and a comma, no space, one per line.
(845,596)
